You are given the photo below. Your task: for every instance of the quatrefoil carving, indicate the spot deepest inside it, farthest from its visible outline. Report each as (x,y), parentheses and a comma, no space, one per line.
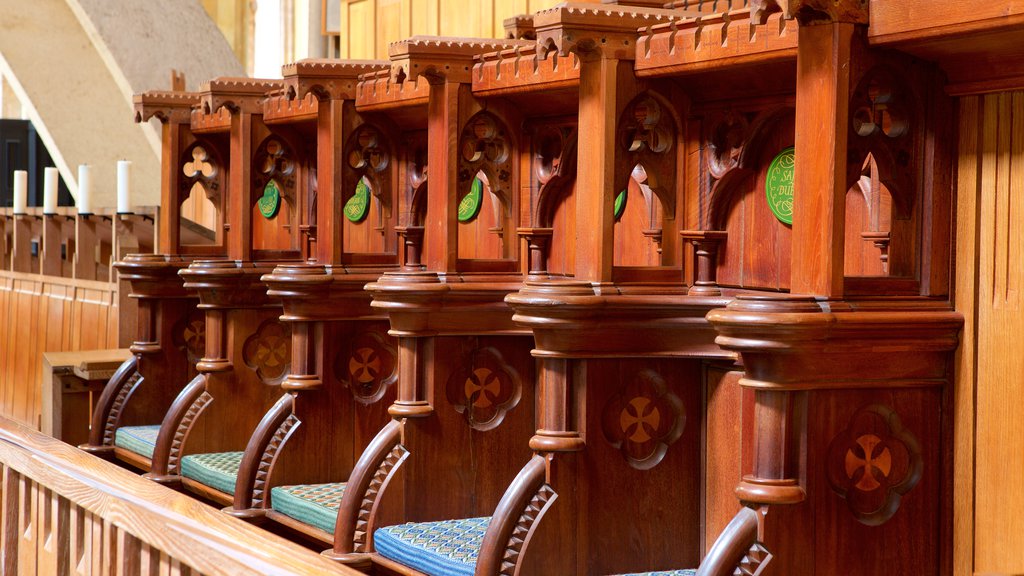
(484,389)
(367,365)
(643,420)
(269,351)
(873,463)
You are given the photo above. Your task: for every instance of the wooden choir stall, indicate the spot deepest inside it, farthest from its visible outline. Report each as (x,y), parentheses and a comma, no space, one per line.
(639,289)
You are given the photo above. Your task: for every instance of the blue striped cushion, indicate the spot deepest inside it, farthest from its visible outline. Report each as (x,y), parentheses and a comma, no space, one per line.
(138,439)
(313,504)
(444,548)
(688,572)
(217,470)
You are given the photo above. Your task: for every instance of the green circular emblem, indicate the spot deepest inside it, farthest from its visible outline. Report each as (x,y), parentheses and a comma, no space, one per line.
(778,186)
(270,201)
(359,204)
(469,207)
(620,204)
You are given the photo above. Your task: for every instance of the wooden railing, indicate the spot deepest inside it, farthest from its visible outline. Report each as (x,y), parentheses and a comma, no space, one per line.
(58,293)
(66,512)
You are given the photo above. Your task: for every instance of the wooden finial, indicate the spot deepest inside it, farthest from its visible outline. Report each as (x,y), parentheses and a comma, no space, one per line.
(177,81)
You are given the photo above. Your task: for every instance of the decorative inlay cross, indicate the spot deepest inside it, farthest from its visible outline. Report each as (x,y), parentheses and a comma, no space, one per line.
(862,463)
(364,365)
(484,389)
(268,351)
(367,365)
(873,463)
(640,420)
(643,419)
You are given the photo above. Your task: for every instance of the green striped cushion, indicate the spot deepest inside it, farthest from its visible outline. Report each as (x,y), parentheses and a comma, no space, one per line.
(217,470)
(313,504)
(138,439)
(443,548)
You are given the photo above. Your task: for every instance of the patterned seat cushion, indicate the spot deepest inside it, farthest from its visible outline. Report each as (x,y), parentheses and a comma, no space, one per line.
(313,504)
(138,439)
(444,548)
(689,572)
(217,470)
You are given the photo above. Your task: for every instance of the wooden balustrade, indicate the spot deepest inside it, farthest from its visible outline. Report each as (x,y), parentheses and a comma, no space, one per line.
(66,512)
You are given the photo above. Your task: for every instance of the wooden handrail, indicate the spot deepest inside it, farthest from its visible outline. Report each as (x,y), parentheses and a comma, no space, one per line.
(70,506)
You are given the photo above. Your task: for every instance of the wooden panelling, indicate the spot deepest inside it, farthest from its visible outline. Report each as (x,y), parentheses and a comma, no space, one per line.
(990,234)
(47,314)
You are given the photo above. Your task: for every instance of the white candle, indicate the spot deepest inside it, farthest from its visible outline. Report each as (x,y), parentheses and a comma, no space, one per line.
(20,191)
(84,189)
(51,177)
(124,200)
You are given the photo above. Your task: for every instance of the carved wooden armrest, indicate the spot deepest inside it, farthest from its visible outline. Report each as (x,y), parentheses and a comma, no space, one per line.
(107,414)
(515,520)
(737,551)
(353,537)
(190,403)
(260,453)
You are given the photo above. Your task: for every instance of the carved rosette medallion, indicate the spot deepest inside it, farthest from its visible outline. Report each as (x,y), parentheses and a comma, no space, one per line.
(485,389)
(269,351)
(190,335)
(643,420)
(367,366)
(873,463)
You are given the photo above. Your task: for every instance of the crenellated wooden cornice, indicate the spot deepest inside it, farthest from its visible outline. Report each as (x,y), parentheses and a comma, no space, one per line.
(236,94)
(327,78)
(519,69)
(378,90)
(440,58)
(813,11)
(165,105)
(715,41)
(278,108)
(609,31)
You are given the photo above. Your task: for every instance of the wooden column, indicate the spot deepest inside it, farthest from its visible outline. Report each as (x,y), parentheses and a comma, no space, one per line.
(822,125)
(329,218)
(595,180)
(239,181)
(440,249)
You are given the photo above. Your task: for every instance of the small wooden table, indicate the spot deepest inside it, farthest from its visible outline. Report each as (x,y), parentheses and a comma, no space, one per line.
(69,381)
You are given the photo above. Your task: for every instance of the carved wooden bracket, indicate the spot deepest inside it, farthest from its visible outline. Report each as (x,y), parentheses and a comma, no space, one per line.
(648,134)
(553,170)
(166,106)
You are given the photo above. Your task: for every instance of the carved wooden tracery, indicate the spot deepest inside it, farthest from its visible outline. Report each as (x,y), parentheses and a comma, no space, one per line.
(368,154)
(275,160)
(200,164)
(648,136)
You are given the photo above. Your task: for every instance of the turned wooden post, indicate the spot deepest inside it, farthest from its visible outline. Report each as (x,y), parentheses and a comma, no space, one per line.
(538,242)
(705,245)
(411,240)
